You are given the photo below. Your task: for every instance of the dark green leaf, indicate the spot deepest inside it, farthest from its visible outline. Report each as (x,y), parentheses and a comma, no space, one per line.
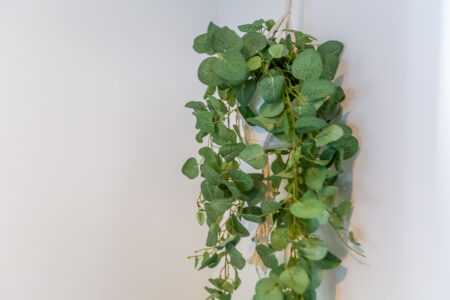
(243,181)
(204,121)
(232,67)
(330,261)
(206,73)
(230,151)
(307,124)
(270,110)
(267,256)
(244,92)
(253,43)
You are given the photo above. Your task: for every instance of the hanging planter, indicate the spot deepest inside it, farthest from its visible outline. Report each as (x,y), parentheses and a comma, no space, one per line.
(271,105)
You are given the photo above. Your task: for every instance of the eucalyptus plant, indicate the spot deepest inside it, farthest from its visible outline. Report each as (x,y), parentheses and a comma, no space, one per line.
(301,108)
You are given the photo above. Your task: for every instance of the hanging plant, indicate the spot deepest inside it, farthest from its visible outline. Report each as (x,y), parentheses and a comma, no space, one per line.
(295,194)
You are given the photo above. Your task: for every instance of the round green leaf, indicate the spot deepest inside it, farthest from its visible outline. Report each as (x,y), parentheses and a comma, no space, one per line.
(312,248)
(307,124)
(243,181)
(330,261)
(272,88)
(278,238)
(307,65)
(318,89)
(202,44)
(254,155)
(254,63)
(206,72)
(270,110)
(331,47)
(225,39)
(310,207)
(276,51)
(253,43)
(295,278)
(329,134)
(232,67)
(266,289)
(315,177)
(190,168)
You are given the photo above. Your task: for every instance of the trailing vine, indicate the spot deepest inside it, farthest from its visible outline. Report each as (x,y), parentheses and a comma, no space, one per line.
(301,108)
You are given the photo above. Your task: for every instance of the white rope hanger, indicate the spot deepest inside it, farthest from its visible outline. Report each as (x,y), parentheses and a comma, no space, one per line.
(282,24)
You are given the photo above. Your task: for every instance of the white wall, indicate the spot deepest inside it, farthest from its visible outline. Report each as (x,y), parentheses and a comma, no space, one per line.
(93,135)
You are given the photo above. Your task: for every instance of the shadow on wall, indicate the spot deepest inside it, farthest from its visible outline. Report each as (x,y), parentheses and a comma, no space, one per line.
(332,278)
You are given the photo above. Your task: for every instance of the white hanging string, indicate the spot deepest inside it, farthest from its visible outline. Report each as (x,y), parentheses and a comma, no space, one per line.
(279,29)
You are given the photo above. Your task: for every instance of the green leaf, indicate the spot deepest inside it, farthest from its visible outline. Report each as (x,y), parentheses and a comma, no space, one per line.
(305,110)
(241,229)
(352,239)
(253,43)
(266,289)
(315,177)
(307,124)
(276,50)
(236,258)
(254,155)
(312,248)
(310,207)
(243,181)
(190,168)
(203,44)
(330,66)
(222,135)
(254,63)
(278,165)
(244,92)
(225,39)
(348,143)
(210,174)
(307,65)
(221,205)
(232,67)
(331,47)
(267,256)
(318,89)
(309,295)
(330,261)
(204,121)
(329,134)
(210,158)
(279,237)
(200,218)
(295,278)
(230,151)
(271,110)
(206,73)
(212,235)
(196,105)
(272,88)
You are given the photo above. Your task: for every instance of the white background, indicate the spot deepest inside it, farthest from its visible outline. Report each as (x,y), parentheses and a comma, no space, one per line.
(93,134)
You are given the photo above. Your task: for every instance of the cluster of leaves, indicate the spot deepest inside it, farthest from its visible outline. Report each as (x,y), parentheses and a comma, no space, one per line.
(301,107)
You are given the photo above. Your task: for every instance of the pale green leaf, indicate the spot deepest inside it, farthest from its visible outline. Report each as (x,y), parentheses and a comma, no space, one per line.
(266,289)
(295,278)
(307,65)
(310,207)
(254,155)
(329,134)
(315,177)
(254,63)
(312,248)
(318,89)
(276,51)
(270,110)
